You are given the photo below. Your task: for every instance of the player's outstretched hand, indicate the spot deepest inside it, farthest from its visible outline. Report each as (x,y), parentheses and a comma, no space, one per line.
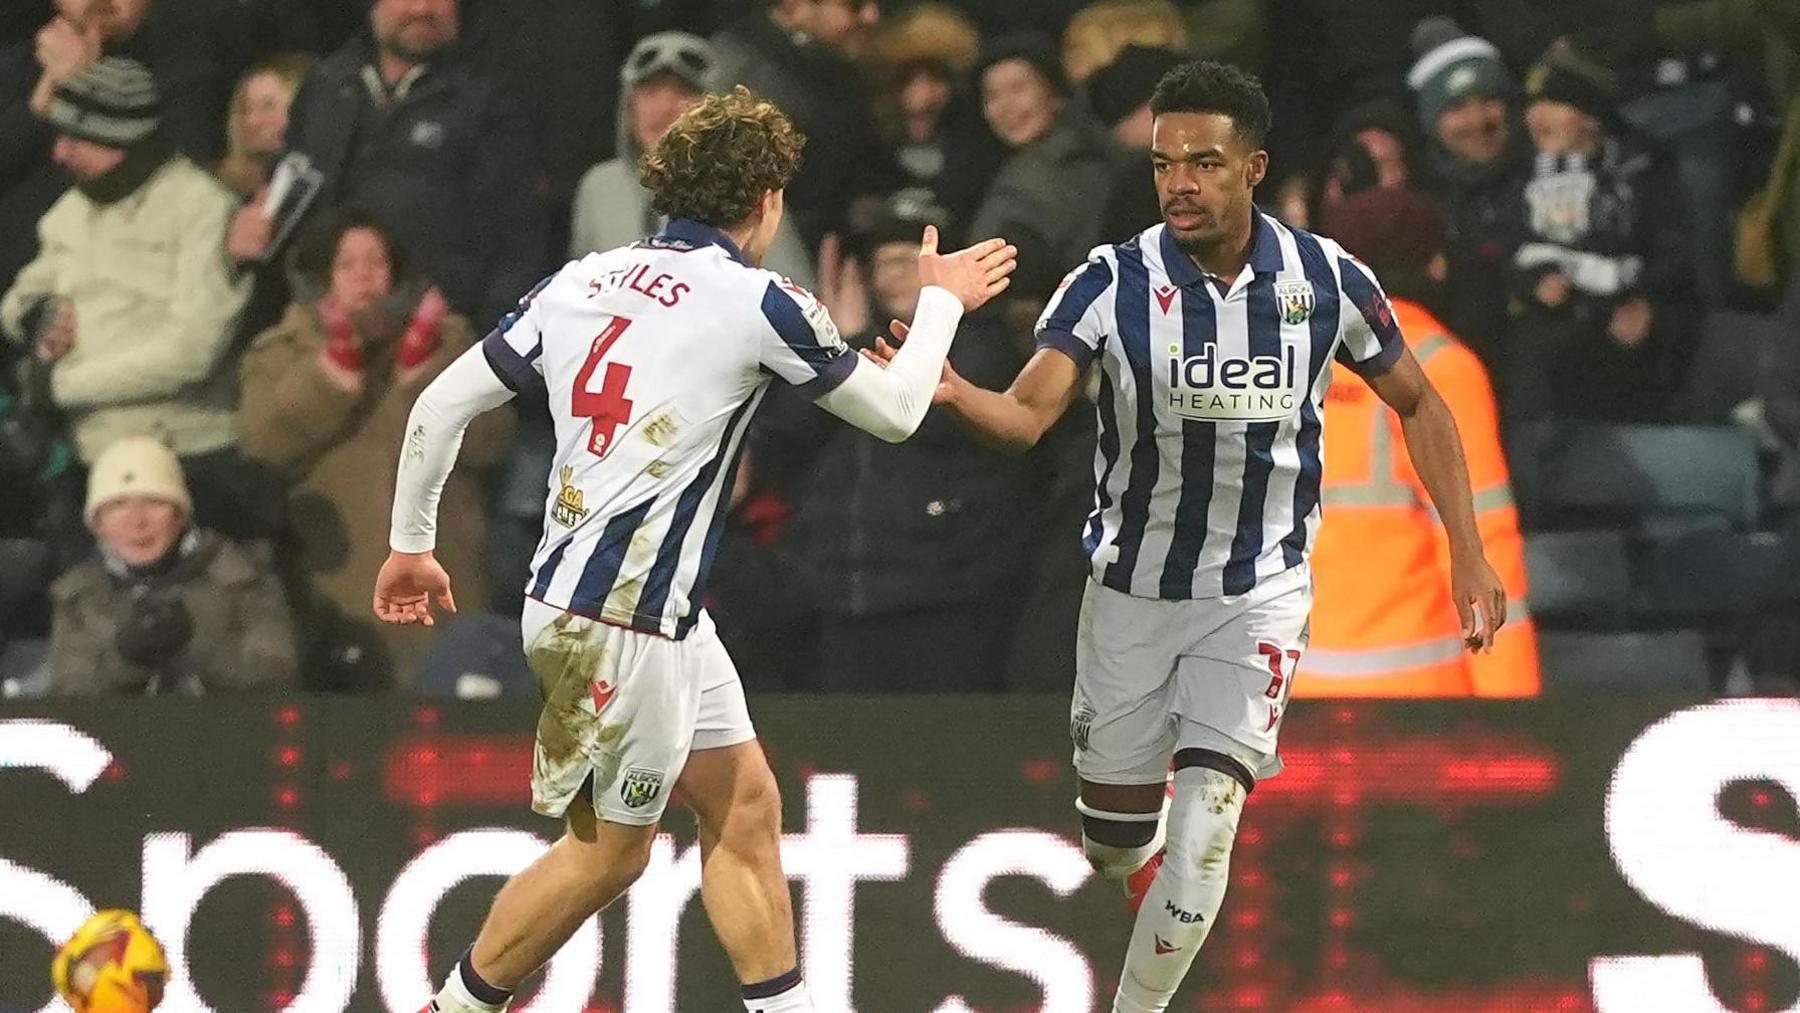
(973,275)
(406,585)
(883,353)
(1480,602)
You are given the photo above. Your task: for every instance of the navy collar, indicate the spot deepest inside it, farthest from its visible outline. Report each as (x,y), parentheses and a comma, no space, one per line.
(1265,254)
(693,234)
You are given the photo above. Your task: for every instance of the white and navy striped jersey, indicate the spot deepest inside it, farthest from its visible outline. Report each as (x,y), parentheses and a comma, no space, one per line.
(653,358)
(1210,398)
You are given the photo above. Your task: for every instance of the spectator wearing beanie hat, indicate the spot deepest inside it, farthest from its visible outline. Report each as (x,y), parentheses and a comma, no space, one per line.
(1462,89)
(1369,609)
(1480,158)
(162,606)
(1594,274)
(1119,95)
(1058,160)
(129,306)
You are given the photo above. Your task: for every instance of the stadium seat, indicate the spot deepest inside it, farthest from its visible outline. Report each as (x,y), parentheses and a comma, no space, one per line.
(1578,577)
(1671,662)
(1587,475)
(1726,360)
(1712,573)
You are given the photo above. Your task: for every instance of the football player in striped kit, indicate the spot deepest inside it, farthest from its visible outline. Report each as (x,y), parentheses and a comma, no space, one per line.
(652,358)
(1213,334)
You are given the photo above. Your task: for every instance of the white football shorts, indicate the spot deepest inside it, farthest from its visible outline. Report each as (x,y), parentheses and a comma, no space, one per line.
(1153,676)
(625,708)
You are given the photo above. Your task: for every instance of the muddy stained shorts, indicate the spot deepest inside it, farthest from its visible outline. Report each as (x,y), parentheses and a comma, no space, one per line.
(1154,676)
(625,708)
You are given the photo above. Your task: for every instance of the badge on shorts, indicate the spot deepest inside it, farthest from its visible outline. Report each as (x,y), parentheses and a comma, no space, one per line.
(640,787)
(1080,725)
(1295,299)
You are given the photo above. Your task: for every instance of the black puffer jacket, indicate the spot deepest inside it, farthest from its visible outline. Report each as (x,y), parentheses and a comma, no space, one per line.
(448,165)
(882,528)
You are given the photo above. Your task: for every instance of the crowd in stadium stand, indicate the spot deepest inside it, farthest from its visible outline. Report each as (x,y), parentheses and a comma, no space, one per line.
(238,237)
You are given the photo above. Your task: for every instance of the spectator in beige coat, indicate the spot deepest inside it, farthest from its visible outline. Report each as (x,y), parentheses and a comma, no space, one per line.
(129,305)
(326,394)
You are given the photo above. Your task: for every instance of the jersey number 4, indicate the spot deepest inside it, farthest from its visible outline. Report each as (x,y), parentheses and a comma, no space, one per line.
(607,408)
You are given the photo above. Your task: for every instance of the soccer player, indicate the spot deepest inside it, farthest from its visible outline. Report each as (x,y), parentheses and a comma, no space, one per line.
(1213,333)
(652,359)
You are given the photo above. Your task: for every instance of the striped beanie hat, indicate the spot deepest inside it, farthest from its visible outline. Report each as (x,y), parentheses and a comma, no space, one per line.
(114,102)
(1451,66)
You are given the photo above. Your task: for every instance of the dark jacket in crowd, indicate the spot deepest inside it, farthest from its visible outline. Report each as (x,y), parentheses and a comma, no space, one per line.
(882,528)
(1031,199)
(1484,218)
(951,171)
(212,618)
(1605,223)
(1131,202)
(824,94)
(447,164)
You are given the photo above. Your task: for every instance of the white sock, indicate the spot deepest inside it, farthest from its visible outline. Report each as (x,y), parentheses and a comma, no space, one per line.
(1183,902)
(792,999)
(455,997)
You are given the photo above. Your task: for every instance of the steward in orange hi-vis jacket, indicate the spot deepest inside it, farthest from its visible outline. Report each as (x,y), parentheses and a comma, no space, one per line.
(1383,623)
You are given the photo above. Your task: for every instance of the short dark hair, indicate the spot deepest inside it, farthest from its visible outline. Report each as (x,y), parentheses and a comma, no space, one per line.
(1208,86)
(720,157)
(317,249)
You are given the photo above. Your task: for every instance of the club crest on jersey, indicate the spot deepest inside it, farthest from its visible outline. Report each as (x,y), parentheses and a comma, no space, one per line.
(640,787)
(1210,387)
(569,508)
(1295,299)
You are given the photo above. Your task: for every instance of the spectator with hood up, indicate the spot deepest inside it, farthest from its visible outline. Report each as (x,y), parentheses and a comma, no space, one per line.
(665,76)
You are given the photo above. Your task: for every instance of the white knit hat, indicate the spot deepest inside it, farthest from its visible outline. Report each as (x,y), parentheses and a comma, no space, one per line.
(137,466)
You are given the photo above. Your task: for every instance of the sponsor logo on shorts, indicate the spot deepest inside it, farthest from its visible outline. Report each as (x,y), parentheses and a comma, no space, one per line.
(1184,917)
(640,787)
(1081,725)
(602,692)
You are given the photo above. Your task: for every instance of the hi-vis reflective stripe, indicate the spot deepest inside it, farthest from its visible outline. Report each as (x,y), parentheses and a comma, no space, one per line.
(1381,490)
(1378,660)
(1362,663)
(1494,497)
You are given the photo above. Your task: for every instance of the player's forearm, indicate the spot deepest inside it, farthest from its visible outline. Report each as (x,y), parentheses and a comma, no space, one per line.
(995,418)
(891,403)
(434,434)
(1436,451)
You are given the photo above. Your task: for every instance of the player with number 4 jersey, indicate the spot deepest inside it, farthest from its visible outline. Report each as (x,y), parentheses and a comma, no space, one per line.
(652,359)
